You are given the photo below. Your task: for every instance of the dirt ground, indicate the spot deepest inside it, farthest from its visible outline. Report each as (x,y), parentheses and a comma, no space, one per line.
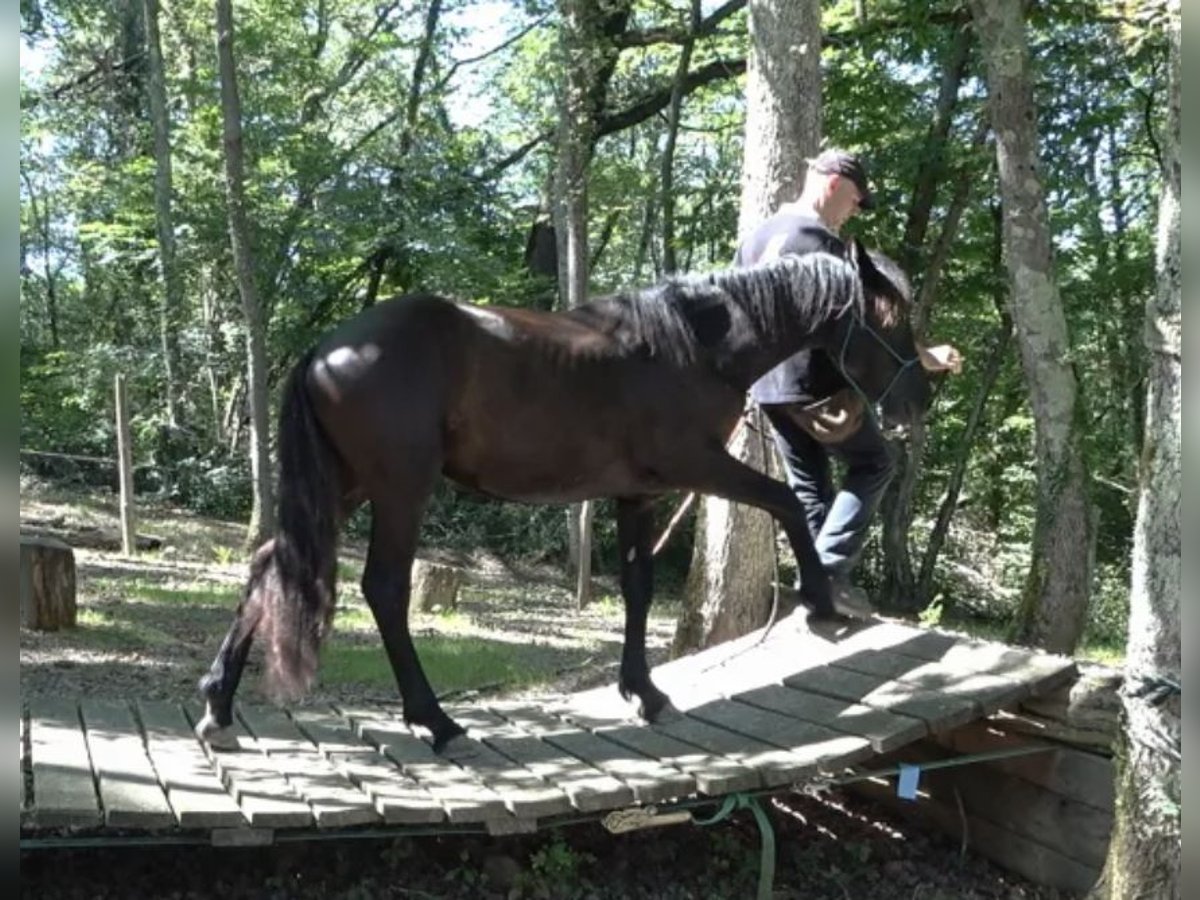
(835,846)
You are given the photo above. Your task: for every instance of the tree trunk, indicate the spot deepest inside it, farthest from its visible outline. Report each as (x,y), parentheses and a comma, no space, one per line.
(262,517)
(1055,597)
(728,588)
(674,110)
(783,105)
(991,372)
(576,123)
(1144,857)
(170,315)
(900,588)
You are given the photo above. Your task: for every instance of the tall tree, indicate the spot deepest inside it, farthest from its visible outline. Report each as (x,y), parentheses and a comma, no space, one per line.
(1144,856)
(170,318)
(1055,596)
(262,516)
(576,126)
(729,583)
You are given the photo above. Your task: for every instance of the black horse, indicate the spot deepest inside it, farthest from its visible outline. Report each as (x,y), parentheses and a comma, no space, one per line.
(629,396)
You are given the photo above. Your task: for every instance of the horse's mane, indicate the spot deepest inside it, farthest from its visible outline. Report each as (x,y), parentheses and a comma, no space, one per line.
(660,321)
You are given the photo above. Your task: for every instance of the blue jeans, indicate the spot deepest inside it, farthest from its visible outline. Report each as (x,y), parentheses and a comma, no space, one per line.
(838,522)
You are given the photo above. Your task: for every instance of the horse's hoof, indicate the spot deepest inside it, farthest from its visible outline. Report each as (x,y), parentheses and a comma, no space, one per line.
(459,749)
(657,709)
(667,713)
(445,735)
(218,737)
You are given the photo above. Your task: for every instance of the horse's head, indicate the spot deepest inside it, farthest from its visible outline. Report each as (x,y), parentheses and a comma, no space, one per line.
(875,348)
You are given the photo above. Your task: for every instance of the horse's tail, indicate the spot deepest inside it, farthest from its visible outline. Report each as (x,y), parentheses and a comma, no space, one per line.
(294,576)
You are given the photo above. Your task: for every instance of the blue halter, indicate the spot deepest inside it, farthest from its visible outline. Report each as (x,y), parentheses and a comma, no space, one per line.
(905,365)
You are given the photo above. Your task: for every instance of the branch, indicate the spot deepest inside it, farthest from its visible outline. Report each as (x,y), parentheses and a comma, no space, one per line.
(680,35)
(643,109)
(503,45)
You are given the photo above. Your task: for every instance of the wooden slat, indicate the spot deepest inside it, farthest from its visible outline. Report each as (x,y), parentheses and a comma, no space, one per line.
(812,746)
(464,797)
(775,765)
(525,794)
(194,791)
(1015,852)
(64,793)
(1078,775)
(884,729)
(650,780)
(579,785)
(335,801)
(938,711)
(1078,831)
(264,796)
(129,788)
(398,798)
(987,693)
(715,774)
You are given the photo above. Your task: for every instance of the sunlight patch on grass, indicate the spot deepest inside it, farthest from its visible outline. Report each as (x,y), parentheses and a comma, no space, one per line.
(451,663)
(100,630)
(195,594)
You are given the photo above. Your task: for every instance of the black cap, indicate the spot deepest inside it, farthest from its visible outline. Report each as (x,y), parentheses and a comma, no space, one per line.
(840,162)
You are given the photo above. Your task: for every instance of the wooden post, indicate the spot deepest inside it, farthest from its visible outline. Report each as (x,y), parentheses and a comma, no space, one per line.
(47,583)
(583,584)
(125,469)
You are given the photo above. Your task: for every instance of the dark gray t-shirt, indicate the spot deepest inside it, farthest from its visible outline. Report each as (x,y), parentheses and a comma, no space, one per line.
(809,375)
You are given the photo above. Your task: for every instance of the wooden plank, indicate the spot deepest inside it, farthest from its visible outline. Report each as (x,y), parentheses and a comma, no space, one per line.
(715,774)
(1077,831)
(64,793)
(580,785)
(775,765)
(264,796)
(812,746)
(195,792)
(650,780)
(129,788)
(396,796)
(937,711)
(334,799)
(884,729)
(1078,775)
(1014,852)
(463,796)
(514,772)
(987,693)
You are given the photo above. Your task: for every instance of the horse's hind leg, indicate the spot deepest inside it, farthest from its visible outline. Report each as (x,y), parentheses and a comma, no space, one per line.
(634,538)
(220,683)
(386,584)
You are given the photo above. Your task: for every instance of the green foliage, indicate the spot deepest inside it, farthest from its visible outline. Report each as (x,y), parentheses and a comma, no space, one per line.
(356,195)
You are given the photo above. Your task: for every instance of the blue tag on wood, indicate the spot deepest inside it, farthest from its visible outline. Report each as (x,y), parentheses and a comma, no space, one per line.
(906,785)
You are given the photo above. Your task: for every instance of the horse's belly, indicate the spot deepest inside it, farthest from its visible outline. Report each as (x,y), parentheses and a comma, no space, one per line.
(556,471)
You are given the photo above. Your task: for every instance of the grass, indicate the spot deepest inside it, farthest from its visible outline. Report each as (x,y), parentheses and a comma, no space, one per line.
(451,662)
(99,629)
(195,594)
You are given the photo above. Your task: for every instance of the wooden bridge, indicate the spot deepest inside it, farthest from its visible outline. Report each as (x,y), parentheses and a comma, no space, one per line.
(784,706)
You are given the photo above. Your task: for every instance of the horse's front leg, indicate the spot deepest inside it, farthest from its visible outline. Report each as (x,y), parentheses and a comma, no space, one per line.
(634,538)
(716,472)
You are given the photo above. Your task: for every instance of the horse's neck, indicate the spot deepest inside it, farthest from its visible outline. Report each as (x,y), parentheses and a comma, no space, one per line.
(750,348)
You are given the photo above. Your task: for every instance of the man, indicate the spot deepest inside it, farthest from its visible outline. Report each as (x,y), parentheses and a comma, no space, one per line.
(835,188)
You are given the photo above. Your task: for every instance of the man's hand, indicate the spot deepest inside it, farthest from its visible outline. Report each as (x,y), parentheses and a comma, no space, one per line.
(942,358)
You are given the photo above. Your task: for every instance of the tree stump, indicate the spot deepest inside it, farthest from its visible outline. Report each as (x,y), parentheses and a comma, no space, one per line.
(434,586)
(47,584)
